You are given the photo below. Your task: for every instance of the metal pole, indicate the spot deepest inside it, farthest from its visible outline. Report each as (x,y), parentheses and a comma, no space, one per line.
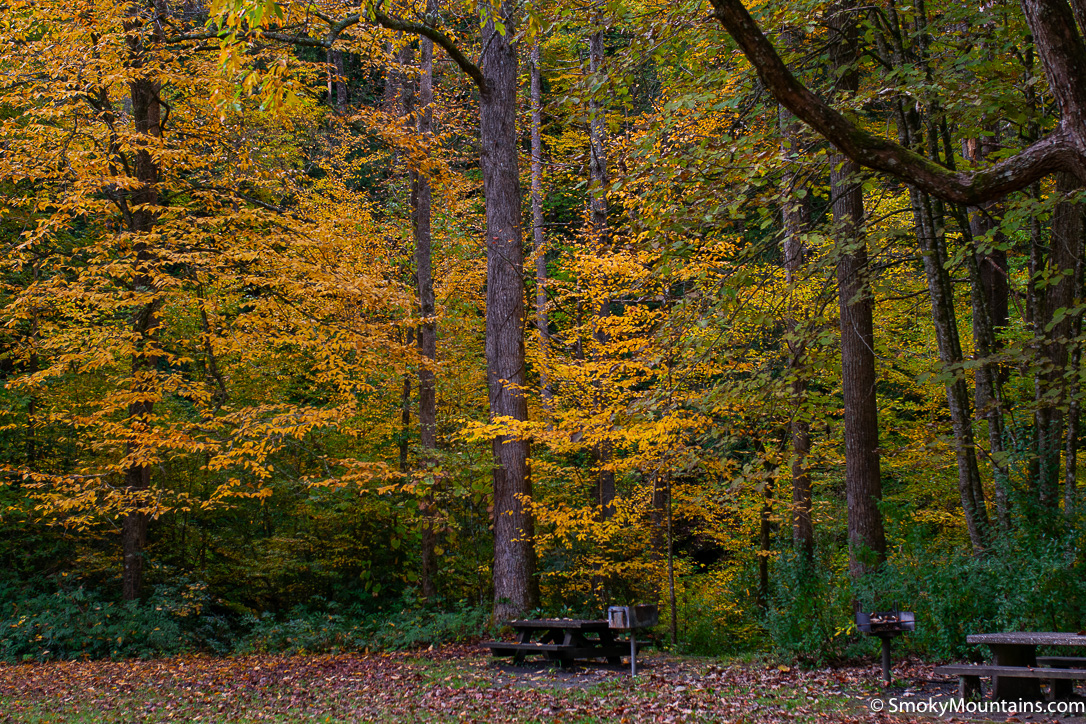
(633,654)
(885,659)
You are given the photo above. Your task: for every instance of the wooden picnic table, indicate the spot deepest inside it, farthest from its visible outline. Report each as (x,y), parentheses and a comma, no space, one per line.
(562,640)
(1017,671)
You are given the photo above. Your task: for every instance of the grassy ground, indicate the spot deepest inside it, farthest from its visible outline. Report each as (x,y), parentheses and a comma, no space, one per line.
(450,684)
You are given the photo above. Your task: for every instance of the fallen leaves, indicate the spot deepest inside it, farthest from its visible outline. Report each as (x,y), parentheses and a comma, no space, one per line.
(456,683)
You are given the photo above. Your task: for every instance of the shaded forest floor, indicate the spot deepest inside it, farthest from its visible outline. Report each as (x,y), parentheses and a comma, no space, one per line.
(452,684)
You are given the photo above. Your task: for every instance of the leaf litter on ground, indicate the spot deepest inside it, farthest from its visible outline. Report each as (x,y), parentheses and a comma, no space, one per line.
(453,683)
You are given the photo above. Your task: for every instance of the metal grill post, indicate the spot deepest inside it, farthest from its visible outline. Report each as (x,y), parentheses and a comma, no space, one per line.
(886,659)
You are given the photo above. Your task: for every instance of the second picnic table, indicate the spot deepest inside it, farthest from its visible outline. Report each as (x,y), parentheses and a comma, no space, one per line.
(562,640)
(1017,670)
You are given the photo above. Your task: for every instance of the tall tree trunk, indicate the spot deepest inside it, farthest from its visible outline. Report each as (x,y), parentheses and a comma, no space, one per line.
(515,586)
(422,201)
(341,81)
(990,293)
(146,114)
(863,475)
(538,249)
(932,245)
(405,410)
(765,530)
(1057,324)
(601,239)
(797,219)
(405,89)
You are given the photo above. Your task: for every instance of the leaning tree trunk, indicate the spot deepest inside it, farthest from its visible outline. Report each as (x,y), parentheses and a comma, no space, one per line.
(863,476)
(515,586)
(931,242)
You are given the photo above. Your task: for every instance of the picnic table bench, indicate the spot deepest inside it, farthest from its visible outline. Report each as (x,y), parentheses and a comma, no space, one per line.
(561,640)
(1017,671)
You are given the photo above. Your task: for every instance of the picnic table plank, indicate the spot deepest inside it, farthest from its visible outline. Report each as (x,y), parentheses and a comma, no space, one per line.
(1028,638)
(562,639)
(563,623)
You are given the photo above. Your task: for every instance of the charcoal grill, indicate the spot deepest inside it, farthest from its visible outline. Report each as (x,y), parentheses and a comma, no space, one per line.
(630,618)
(886,625)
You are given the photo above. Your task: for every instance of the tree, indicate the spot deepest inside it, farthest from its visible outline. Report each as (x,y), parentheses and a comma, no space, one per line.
(923,157)
(863,476)
(515,586)
(161,261)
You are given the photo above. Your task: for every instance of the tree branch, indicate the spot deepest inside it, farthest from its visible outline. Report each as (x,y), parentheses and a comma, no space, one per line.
(473,71)
(1055,152)
(336,28)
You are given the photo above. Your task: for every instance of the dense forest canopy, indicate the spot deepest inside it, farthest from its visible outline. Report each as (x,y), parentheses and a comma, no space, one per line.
(314,310)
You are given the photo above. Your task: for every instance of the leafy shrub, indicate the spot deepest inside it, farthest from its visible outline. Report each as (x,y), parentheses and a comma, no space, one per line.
(808,611)
(1022,583)
(79,624)
(422,627)
(322,629)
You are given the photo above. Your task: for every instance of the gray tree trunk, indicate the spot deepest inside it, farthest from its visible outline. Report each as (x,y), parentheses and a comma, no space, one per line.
(515,586)
(863,475)
(991,314)
(538,249)
(422,202)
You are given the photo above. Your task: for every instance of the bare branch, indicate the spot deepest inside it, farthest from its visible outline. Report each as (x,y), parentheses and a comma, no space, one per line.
(1055,152)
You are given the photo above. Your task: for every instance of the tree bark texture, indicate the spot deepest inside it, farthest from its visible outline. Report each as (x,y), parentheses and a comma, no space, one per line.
(538,248)
(863,475)
(422,203)
(515,586)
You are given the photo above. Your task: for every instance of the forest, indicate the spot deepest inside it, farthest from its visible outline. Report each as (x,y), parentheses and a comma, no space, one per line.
(335,327)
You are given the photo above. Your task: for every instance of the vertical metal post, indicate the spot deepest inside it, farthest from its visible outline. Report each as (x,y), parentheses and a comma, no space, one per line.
(633,654)
(885,659)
